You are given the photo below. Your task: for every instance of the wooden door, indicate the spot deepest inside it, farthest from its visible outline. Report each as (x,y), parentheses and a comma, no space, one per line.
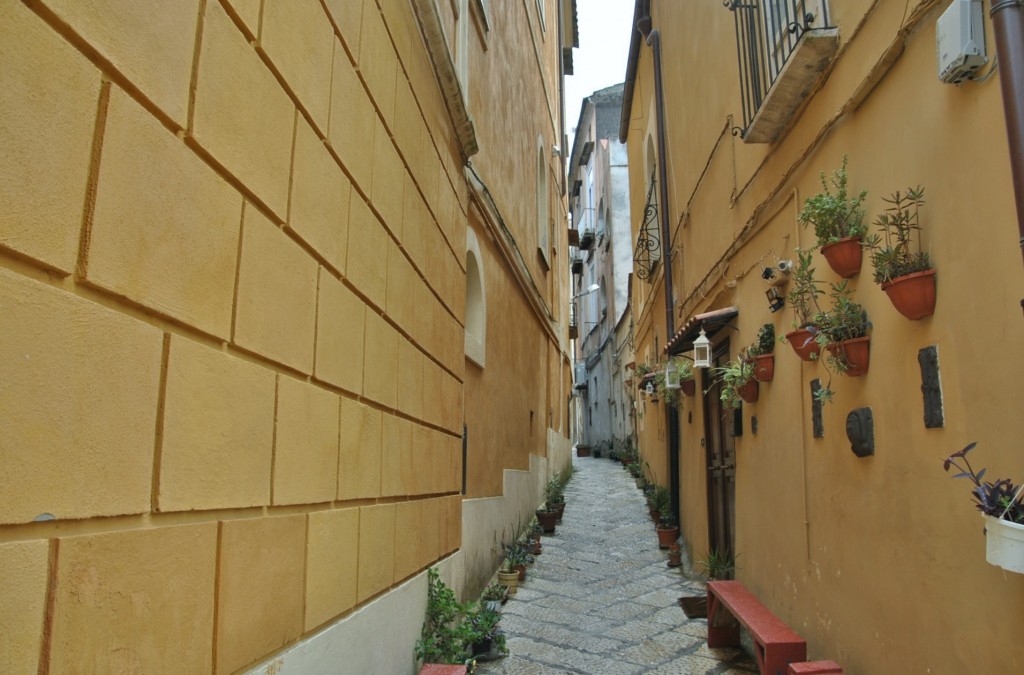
(720,458)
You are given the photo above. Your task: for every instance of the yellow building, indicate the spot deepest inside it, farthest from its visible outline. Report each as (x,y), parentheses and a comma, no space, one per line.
(250,298)
(878,560)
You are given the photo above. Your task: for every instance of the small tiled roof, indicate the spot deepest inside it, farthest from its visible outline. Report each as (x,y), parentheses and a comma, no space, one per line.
(711,322)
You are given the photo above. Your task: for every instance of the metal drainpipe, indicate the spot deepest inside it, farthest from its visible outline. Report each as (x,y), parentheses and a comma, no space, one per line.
(1008,31)
(653,39)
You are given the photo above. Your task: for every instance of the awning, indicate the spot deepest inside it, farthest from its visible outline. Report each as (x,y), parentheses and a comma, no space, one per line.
(711,322)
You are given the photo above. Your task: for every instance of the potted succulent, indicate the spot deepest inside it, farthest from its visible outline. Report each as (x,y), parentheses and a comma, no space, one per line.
(904,270)
(1003,509)
(738,383)
(838,222)
(481,633)
(494,596)
(675,555)
(803,298)
(762,353)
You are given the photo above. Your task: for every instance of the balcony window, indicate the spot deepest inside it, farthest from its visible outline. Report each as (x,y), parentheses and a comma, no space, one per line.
(783,47)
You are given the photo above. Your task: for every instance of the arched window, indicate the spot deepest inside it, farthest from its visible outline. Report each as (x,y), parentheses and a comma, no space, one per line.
(476,302)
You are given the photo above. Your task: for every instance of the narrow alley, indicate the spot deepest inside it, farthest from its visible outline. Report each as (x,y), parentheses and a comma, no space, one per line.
(600,598)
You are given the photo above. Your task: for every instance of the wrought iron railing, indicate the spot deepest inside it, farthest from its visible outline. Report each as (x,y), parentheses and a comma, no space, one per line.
(648,244)
(767,33)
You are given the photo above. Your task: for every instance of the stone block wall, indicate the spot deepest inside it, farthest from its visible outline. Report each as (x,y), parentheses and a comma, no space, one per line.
(231,334)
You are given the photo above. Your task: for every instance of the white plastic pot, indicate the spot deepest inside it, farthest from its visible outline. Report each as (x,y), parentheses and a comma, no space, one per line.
(1004,544)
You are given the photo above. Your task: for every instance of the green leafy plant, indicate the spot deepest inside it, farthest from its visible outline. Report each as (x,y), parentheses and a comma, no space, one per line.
(495,592)
(481,626)
(1001,499)
(764,343)
(804,291)
(732,376)
(442,638)
(718,565)
(834,215)
(893,253)
(843,320)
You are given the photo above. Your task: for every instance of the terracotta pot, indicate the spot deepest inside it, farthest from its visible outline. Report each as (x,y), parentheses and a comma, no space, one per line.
(857,354)
(749,391)
(653,513)
(913,295)
(583,451)
(675,556)
(559,509)
(764,367)
(689,387)
(667,536)
(547,520)
(521,569)
(844,256)
(803,343)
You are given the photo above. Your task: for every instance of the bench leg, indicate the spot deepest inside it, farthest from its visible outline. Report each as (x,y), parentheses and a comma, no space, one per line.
(775,659)
(723,629)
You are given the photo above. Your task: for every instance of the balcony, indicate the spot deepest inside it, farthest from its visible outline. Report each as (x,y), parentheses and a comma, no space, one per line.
(648,245)
(587,239)
(783,47)
(577,264)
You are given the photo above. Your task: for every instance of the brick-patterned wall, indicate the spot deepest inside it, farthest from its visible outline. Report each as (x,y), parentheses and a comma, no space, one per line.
(231,342)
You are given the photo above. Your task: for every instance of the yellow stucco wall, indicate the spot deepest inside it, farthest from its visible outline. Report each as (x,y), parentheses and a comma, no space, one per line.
(878,562)
(231,345)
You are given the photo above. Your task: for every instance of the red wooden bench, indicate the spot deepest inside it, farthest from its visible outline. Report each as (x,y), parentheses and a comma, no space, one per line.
(815,668)
(776,645)
(435,669)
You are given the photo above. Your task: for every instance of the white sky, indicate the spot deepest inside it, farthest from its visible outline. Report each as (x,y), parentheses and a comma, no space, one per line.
(605,27)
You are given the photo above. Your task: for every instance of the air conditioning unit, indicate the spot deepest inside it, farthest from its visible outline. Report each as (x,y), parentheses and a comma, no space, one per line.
(581,375)
(960,41)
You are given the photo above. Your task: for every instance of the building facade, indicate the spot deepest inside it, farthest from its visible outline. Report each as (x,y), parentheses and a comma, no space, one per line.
(599,208)
(259,311)
(838,514)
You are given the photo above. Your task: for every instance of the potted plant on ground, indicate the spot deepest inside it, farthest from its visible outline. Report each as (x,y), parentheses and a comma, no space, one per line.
(762,353)
(675,555)
(554,494)
(719,565)
(442,636)
(508,577)
(904,270)
(803,298)
(480,632)
(494,596)
(738,383)
(668,530)
(838,222)
(1003,509)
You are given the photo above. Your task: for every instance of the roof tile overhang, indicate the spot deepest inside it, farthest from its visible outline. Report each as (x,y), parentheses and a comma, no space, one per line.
(711,322)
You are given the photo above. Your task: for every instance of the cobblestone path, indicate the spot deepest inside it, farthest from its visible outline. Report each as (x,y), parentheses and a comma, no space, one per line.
(600,598)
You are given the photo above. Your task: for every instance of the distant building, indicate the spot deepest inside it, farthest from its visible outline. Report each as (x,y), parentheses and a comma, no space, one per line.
(599,207)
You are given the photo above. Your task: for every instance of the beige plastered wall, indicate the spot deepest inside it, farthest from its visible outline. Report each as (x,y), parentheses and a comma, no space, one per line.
(878,562)
(231,345)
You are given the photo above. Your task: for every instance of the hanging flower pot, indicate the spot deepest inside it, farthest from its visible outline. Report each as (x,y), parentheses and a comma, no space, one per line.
(913,295)
(749,391)
(1004,544)
(855,352)
(844,256)
(803,343)
(689,387)
(764,367)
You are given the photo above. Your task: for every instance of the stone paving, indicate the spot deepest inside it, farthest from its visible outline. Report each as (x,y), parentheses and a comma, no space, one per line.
(601,599)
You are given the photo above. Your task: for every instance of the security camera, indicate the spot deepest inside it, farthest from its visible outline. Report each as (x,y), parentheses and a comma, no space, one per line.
(556,151)
(785,266)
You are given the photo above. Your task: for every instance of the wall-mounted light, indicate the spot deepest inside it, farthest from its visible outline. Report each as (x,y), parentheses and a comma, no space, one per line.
(775,299)
(702,351)
(590,289)
(671,375)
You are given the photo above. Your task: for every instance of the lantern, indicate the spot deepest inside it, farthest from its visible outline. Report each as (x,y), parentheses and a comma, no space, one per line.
(702,351)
